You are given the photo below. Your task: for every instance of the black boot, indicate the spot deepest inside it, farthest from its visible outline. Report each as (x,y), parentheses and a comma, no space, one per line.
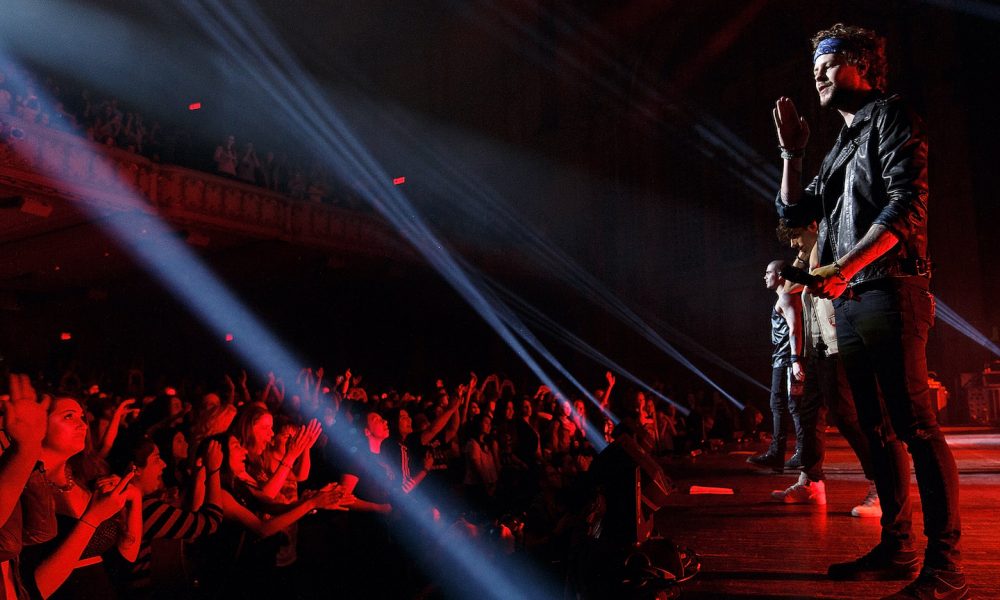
(795,462)
(771,459)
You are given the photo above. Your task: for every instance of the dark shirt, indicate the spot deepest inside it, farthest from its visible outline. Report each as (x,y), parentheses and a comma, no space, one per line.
(376,473)
(780,340)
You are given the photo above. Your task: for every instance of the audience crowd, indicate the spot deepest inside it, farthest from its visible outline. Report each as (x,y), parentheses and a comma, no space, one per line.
(297,489)
(282,490)
(107,121)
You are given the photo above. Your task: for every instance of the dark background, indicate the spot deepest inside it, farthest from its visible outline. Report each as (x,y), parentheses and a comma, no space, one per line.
(636,137)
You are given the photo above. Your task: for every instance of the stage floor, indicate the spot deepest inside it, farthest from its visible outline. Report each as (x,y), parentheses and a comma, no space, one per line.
(752,547)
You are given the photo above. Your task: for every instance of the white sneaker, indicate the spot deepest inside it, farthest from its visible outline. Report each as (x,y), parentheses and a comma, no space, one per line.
(870,506)
(802,492)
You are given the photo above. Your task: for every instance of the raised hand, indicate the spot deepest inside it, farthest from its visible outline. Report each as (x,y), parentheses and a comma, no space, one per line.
(125,408)
(25,419)
(793,130)
(107,501)
(213,456)
(610,377)
(304,438)
(313,431)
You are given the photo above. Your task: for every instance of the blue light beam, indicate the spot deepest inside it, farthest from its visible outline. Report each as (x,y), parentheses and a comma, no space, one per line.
(581,346)
(962,326)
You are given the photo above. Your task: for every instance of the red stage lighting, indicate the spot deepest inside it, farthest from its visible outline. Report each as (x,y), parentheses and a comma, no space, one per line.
(399,181)
(229,337)
(65,336)
(194,106)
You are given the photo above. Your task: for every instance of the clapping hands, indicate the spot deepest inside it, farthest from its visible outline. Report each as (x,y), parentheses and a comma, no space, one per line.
(303,439)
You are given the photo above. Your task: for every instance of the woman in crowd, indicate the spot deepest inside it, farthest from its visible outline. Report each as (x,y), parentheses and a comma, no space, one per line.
(94,534)
(481,465)
(163,518)
(173,449)
(254,430)
(251,527)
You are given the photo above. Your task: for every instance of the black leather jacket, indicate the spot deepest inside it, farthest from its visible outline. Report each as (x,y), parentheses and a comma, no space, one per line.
(781,341)
(875,173)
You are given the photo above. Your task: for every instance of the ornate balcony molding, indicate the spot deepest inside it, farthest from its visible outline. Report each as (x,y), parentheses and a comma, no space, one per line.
(45,162)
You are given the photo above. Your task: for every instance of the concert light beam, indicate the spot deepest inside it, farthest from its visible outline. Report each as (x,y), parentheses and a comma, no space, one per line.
(952,318)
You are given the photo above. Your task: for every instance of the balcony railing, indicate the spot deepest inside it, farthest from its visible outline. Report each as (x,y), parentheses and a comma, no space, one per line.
(45,162)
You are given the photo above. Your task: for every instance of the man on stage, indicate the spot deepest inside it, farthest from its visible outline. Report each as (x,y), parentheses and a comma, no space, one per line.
(872,193)
(786,371)
(826,391)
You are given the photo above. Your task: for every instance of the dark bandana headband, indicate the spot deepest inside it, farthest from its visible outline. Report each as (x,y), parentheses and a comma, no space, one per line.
(829,46)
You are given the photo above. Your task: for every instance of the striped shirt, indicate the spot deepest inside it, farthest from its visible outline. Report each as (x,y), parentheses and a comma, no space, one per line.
(164,521)
(409,481)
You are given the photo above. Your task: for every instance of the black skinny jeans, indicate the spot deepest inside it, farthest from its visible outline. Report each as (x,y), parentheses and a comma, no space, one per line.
(882,335)
(780,410)
(827,396)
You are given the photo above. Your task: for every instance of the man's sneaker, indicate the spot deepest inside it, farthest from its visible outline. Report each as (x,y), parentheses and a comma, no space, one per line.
(870,506)
(768,460)
(802,492)
(933,584)
(795,462)
(880,564)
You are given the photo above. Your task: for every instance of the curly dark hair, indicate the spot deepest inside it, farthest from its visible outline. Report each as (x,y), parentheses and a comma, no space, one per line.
(783,231)
(862,47)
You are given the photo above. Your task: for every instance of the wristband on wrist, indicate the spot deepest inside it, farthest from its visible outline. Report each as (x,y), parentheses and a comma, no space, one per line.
(91,525)
(211,472)
(836,271)
(787,154)
(793,358)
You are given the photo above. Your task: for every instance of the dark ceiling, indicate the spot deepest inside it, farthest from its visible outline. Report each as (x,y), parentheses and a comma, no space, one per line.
(597,123)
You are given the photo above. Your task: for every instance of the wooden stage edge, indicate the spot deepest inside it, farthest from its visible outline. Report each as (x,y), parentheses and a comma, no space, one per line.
(753,547)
